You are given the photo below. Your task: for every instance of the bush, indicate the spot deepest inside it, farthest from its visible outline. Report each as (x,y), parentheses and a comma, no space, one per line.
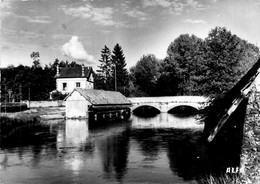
(13,107)
(58,95)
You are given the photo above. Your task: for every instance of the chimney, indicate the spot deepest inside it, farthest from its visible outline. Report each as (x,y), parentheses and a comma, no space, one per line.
(58,70)
(83,72)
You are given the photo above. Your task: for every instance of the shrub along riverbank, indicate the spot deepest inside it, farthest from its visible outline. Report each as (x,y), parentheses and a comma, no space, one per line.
(13,107)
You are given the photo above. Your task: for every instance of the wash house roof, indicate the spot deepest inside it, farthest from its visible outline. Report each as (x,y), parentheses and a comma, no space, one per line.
(101,97)
(74,72)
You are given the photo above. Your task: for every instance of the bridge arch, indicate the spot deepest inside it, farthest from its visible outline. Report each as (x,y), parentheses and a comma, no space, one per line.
(135,107)
(193,107)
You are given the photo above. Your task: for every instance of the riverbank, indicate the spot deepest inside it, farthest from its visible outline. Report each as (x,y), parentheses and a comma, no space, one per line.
(40,113)
(250,153)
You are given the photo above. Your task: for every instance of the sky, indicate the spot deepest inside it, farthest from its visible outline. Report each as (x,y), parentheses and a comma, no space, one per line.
(77,30)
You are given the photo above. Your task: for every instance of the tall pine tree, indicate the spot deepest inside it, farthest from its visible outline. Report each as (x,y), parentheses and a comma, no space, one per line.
(120,73)
(104,74)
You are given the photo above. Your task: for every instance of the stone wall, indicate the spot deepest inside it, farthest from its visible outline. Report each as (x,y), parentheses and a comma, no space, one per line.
(250,153)
(34,104)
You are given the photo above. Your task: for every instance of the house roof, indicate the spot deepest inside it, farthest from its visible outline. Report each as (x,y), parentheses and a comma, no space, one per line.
(101,97)
(74,72)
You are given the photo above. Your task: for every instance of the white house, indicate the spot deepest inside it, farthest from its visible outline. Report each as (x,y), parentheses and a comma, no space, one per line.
(68,78)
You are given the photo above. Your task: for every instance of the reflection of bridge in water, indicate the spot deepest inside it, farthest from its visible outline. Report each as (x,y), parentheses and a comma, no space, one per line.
(167,103)
(164,120)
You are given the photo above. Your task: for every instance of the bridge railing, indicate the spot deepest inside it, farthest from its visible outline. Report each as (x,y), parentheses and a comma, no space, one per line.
(169,99)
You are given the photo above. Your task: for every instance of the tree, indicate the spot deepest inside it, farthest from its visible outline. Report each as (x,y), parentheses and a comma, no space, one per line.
(36,61)
(134,89)
(223,53)
(120,73)
(104,74)
(34,83)
(168,81)
(249,56)
(183,57)
(208,67)
(146,73)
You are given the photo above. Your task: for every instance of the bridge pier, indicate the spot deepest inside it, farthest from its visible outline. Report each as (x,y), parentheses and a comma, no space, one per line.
(164,108)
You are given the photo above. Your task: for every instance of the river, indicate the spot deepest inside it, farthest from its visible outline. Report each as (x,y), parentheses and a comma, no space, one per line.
(160,149)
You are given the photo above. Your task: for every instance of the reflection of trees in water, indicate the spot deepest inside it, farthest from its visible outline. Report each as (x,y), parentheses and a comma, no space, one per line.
(185,151)
(36,140)
(150,143)
(34,133)
(4,162)
(186,156)
(36,151)
(114,152)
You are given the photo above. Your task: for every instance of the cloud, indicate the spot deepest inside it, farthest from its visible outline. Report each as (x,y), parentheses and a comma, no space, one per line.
(5,4)
(191,21)
(12,35)
(162,3)
(174,6)
(75,49)
(100,16)
(5,8)
(39,19)
(134,13)
(34,19)
(195,5)
(5,47)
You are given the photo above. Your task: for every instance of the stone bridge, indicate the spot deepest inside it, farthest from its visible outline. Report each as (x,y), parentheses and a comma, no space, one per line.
(165,104)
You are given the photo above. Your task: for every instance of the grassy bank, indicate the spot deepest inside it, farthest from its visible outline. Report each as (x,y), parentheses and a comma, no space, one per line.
(224,179)
(13,107)
(41,113)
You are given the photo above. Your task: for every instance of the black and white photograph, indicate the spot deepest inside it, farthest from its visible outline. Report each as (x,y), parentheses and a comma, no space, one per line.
(129,91)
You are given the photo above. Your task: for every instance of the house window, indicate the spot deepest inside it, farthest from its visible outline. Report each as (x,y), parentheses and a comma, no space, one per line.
(77,84)
(64,86)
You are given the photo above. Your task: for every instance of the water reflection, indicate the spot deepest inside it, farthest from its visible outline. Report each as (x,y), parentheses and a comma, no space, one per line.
(74,135)
(187,156)
(114,155)
(163,149)
(165,120)
(76,132)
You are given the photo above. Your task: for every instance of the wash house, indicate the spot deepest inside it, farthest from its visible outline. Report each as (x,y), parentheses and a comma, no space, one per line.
(97,105)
